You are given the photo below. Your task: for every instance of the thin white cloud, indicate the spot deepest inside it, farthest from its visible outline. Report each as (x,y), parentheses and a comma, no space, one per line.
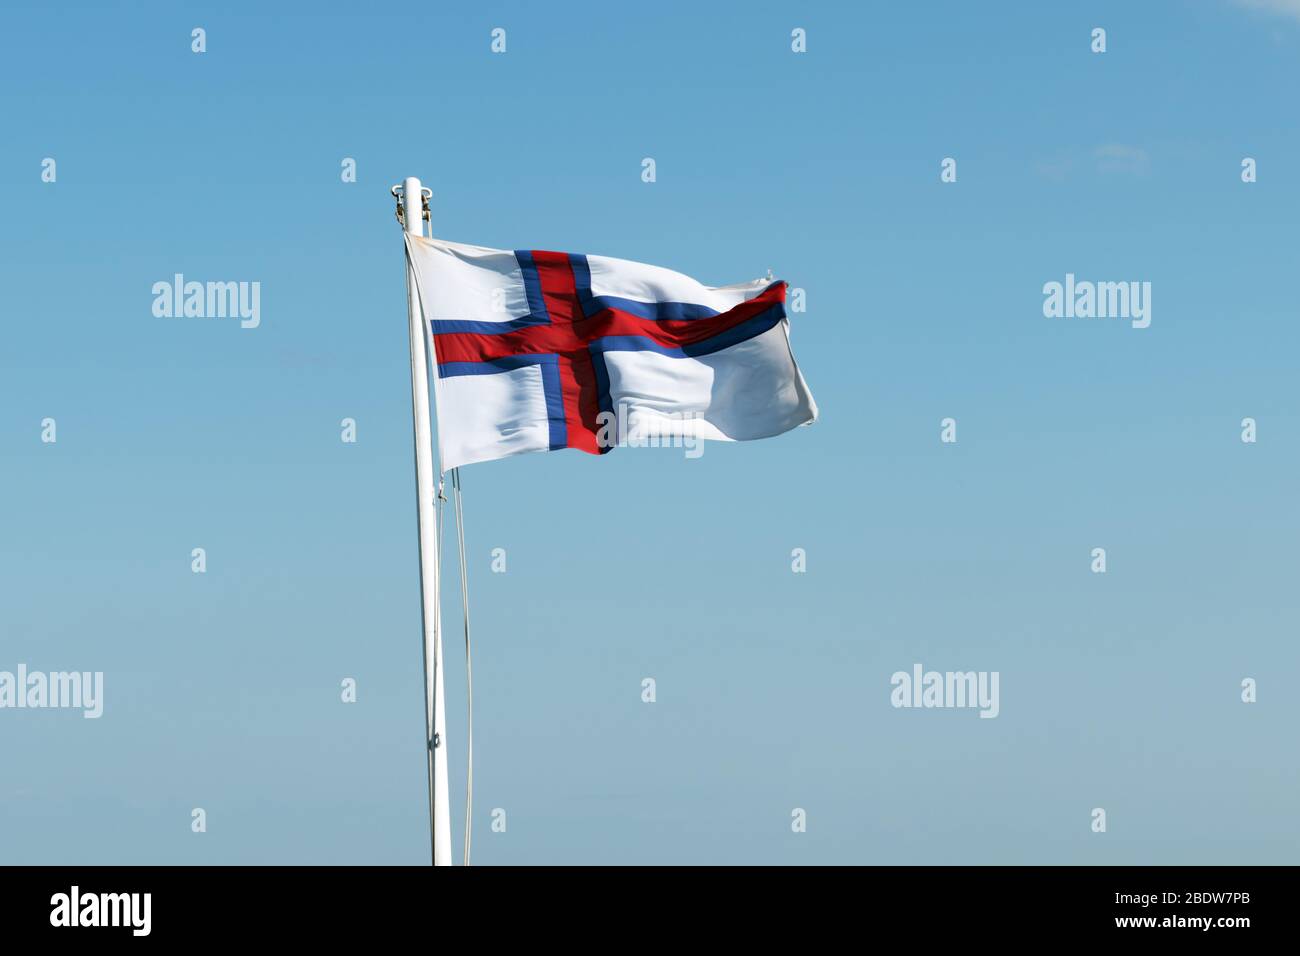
(1119,158)
(1281,8)
(1108,159)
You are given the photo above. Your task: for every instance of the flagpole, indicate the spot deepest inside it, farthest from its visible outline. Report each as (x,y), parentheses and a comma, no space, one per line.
(435,722)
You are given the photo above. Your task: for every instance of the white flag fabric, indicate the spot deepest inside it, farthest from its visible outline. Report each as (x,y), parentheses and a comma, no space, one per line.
(537,351)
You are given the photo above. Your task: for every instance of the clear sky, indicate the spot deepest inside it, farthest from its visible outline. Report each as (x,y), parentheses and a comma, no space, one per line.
(1119,691)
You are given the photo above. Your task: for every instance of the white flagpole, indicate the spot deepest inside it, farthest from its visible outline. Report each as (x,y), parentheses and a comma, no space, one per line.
(435,721)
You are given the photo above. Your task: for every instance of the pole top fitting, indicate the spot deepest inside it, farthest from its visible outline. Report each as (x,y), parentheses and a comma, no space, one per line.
(400,188)
(398,192)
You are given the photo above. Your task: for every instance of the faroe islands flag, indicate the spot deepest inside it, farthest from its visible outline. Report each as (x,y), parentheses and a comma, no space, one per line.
(537,351)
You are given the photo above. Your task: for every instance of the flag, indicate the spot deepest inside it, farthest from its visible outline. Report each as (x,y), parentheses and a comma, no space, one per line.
(537,351)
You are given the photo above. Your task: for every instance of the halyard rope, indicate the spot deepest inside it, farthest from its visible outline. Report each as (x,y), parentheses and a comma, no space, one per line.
(469,670)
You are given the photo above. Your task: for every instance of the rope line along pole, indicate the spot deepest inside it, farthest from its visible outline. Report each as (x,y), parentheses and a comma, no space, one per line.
(469,665)
(434,707)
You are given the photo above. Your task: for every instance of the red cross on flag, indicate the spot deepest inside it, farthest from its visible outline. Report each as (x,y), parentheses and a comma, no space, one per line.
(537,351)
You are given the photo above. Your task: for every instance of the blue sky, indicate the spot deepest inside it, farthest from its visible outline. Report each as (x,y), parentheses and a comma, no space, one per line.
(1119,691)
